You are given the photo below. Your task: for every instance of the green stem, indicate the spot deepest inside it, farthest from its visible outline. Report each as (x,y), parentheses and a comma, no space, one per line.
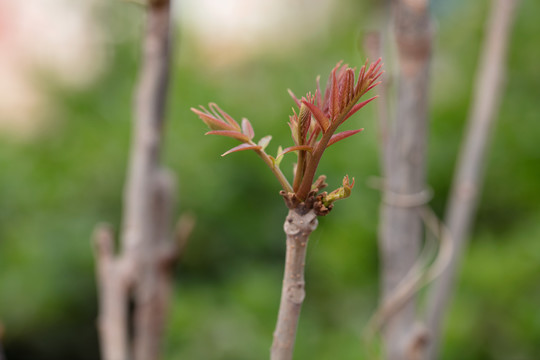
(276,170)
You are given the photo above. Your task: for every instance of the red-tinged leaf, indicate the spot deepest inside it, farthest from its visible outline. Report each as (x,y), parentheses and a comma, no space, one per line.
(294,133)
(378,70)
(215,108)
(342,135)
(294,97)
(358,106)
(318,92)
(242,147)
(373,85)
(313,136)
(233,134)
(360,81)
(294,148)
(347,183)
(323,121)
(346,88)
(212,122)
(375,67)
(263,143)
(247,129)
(334,97)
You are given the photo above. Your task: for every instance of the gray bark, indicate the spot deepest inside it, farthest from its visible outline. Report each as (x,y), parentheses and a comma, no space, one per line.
(400,230)
(141,272)
(298,226)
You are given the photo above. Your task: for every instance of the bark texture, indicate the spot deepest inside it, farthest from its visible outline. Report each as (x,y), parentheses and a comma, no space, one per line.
(469,171)
(135,284)
(298,226)
(401,230)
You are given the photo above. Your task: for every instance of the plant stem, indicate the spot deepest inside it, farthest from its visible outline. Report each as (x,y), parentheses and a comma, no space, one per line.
(313,163)
(276,170)
(300,168)
(298,226)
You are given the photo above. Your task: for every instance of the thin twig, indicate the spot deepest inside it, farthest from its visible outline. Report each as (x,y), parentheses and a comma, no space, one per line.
(469,171)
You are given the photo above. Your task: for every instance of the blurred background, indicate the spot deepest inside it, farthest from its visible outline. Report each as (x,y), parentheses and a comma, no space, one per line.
(67,72)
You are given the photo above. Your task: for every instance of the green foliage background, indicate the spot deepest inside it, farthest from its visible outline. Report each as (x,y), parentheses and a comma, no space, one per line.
(55,189)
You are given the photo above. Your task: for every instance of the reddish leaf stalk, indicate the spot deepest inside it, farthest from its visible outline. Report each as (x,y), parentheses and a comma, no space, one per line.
(299,169)
(276,170)
(304,122)
(311,167)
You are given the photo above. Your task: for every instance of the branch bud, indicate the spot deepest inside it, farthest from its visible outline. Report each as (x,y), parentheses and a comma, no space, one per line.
(340,193)
(304,121)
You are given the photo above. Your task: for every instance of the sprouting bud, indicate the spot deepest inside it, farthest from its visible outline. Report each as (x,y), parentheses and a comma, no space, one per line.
(340,193)
(304,121)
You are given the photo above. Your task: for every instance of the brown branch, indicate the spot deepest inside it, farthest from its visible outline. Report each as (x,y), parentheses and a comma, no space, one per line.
(114,281)
(401,227)
(469,172)
(298,226)
(154,281)
(148,119)
(138,273)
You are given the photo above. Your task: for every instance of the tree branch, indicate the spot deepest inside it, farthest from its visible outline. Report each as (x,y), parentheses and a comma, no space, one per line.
(140,273)
(113,288)
(154,282)
(298,226)
(469,171)
(401,228)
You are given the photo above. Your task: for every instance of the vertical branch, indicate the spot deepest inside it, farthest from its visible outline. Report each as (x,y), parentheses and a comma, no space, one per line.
(298,226)
(469,171)
(113,288)
(154,283)
(400,230)
(141,272)
(148,120)
(150,190)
